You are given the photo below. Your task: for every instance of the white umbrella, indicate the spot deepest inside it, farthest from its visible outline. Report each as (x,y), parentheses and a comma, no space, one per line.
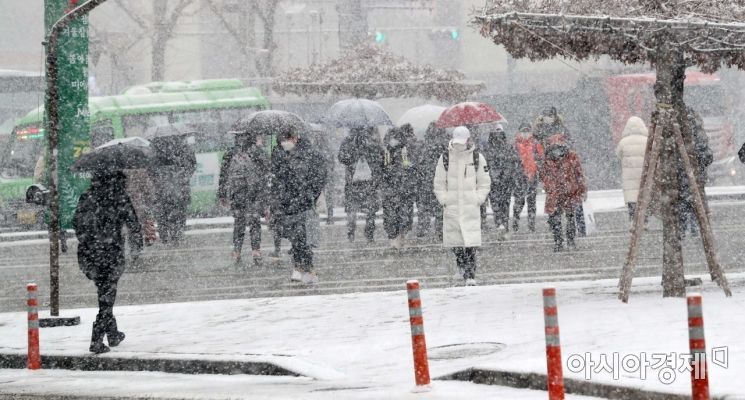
(420,118)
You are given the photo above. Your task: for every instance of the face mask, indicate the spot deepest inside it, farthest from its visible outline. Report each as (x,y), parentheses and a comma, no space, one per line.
(287,145)
(393,142)
(548,120)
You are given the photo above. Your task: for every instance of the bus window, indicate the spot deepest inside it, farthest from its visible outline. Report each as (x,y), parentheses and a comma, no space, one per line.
(25,148)
(209,136)
(101,133)
(143,125)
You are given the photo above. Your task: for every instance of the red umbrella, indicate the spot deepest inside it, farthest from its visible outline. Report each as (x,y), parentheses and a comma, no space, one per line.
(469,113)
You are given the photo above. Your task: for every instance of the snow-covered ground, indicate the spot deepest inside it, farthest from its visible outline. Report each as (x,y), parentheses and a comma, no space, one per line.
(358,345)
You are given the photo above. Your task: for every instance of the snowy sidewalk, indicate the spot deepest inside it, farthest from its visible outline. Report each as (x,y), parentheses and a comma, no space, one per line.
(358,346)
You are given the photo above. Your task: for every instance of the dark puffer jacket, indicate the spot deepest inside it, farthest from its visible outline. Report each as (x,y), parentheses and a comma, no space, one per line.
(362,143)
(298,177)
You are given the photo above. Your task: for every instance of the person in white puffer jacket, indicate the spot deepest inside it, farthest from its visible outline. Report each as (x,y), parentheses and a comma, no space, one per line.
(631,150)
(461,186)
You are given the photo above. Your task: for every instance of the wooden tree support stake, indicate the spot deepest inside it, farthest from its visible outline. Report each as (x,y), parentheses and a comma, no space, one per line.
(707,236)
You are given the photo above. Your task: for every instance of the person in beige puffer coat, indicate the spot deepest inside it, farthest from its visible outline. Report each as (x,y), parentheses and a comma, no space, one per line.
(631,151)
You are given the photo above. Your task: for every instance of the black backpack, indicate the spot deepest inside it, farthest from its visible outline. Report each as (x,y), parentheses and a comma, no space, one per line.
(446,160)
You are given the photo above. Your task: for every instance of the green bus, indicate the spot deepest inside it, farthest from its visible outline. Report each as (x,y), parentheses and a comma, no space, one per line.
(207,107)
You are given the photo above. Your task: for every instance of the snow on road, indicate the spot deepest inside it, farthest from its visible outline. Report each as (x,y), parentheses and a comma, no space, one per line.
(357,346)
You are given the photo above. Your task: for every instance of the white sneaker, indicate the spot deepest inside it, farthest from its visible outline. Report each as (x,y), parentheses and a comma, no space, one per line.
(297,276)
(470,282)
(310,278)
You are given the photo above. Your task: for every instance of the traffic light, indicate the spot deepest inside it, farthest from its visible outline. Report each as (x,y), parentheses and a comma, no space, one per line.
(379,37)
(446,33)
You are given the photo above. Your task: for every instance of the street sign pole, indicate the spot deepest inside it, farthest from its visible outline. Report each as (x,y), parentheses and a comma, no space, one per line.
(67,128)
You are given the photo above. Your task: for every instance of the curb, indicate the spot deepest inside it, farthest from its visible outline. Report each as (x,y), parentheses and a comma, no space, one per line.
(536,381)
(173,366)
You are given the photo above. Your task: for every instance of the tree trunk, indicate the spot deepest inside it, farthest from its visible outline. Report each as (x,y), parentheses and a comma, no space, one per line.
(157,70)
(159,41)
(669,93)
(247,39)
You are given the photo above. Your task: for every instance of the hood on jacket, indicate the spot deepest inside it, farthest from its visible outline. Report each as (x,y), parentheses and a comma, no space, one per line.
(635,126)
(469,147)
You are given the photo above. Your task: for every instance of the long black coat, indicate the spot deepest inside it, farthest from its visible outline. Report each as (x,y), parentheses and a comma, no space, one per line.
(102,211)
(362,195)
(298,177)
(175,163)
(434,145)
(237,191)
(505,168)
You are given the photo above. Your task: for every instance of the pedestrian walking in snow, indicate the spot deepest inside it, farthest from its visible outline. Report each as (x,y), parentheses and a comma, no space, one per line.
(702,158)
(435,143)
(530,152)
(399,184)
(174,164)
(546,124)
(631,150)
(564,182)
(362,155)
(462,185)
(244,184)
(504,170)
(298,177)
(103,210)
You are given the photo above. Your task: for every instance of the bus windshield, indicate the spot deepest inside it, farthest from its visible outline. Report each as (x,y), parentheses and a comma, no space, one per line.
(23,152)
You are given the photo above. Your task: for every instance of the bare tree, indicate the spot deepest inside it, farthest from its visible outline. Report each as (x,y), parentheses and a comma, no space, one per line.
(244,32)
(160,27)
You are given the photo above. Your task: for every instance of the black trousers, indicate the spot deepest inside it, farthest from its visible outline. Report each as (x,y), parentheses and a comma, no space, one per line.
(500,204)
(687,217)
(105,323)
(465,257)
(171,217)
(352,222)
(632,210)
(424,223)
(527,197)
(579,216)
(554,221)
(294,229)
(246,214)
(398,214)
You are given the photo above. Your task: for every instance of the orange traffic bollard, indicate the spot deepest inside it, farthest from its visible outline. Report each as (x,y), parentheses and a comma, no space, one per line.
(421,365)
(697,344)
(555,376)
(34,355)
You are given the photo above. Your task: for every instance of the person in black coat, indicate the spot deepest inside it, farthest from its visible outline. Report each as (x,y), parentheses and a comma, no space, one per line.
(399,183)
(244,185)
(703,157)
(298,178)
(175,162)
(505,171)
(362,155)
(434,145)
(102,211)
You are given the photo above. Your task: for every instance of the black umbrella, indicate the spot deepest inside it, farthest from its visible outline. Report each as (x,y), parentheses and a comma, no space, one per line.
(270,122)
(115,155)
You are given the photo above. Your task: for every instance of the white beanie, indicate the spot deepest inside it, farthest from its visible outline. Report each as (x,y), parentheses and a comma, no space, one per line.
(461,135)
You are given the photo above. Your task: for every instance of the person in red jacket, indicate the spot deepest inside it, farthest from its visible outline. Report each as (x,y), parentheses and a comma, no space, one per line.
(531,154)
(564,182)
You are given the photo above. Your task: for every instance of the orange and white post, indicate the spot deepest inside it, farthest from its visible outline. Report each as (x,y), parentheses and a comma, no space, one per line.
(419,345)
(555,375)
(34,355)
(697,344)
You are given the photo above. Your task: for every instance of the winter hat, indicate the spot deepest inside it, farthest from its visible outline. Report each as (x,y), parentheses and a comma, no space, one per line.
(524,127)
(499,128)
(461,135)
